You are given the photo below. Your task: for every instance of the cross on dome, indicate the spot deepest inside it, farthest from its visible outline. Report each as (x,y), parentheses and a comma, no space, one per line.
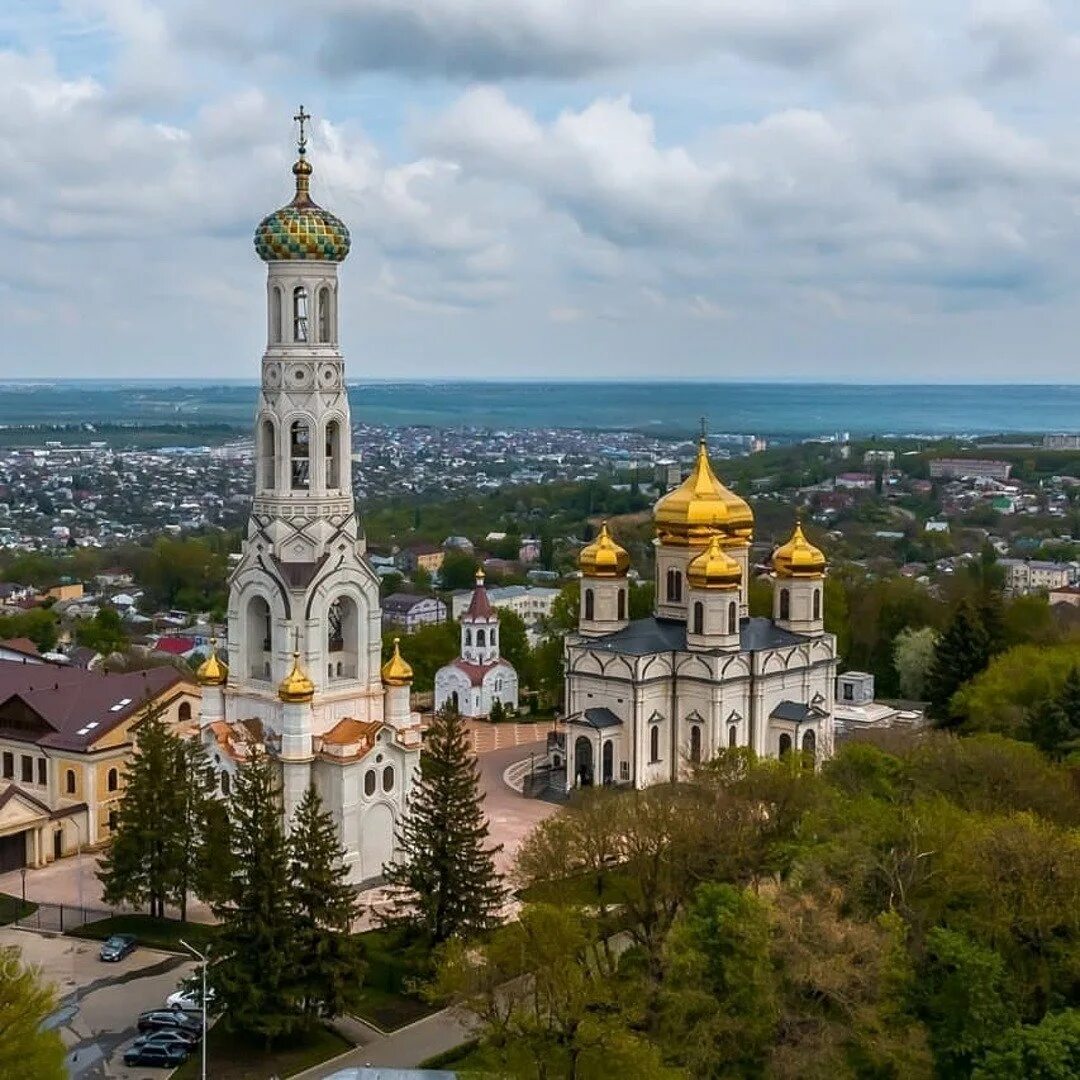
(302,118)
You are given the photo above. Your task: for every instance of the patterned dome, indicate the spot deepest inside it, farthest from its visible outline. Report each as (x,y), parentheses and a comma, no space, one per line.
(302,230)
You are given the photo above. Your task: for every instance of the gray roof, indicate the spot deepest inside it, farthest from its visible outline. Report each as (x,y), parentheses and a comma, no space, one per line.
(599,718)
(795,711)
(403,602)
(645,636)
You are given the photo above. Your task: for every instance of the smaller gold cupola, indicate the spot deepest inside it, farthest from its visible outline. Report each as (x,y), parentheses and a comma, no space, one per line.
(714,568)
(604,557)
(396,671)
(296,687)
(798,558)
(212,672)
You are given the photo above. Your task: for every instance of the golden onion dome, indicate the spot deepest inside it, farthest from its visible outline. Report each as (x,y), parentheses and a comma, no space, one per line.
(604,557)
(714,568)
(296,687)
(700,506)
(798,557)
(212,672)
(396,671)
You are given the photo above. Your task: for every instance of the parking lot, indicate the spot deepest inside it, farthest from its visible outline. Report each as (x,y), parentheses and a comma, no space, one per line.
(100,1002)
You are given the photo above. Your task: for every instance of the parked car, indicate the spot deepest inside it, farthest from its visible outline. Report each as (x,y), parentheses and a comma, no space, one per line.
(165,1037)
(163,1057)
(117,947)
(190,1000)
(169,1020)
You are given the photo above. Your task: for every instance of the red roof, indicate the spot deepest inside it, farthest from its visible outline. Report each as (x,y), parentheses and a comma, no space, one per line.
(476,672)
(175,646)
(479,607)
(21,645)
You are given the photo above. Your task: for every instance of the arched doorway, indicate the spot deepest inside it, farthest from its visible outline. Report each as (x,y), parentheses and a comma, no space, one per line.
(785,745)
(608,762)
(809,746)
(583,761)
(454,703)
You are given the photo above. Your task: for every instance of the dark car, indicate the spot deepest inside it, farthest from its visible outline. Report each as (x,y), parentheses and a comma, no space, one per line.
(164,1057)
(117,947)
(170,1020)
(167,1037)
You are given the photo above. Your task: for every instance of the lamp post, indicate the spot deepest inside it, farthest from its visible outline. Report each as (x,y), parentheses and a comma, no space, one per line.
(195,952)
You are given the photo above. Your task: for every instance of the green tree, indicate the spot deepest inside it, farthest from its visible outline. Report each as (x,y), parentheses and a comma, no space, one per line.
(40,625)
(497,713)
(329,957)
(458,571)
(428,649)
(1049,1050)
(962,651)
(25,1049)
(253,967)
(104,633)
(445,883)
(913,656)
(514,645)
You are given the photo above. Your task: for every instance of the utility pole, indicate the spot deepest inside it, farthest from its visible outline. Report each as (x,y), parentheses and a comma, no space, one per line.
(202,1043)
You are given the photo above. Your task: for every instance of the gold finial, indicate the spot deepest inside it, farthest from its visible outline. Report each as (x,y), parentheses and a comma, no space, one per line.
(704,430)
(212,672)
(296,687)
(479,575)
(302,118)
(396,671)
(302,167)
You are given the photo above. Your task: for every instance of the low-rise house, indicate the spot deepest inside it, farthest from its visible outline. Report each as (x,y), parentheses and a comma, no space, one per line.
(409,611)
(1023,576)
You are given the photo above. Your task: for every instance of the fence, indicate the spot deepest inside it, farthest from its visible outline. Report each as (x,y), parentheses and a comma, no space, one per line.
(62,918)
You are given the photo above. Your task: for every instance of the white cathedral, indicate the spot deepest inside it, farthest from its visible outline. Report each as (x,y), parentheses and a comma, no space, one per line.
(646,700)
(303,678)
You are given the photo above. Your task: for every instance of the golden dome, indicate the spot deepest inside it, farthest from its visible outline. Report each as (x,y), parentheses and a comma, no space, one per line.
(798,557)
(212,672)
(714,568)
(296,687)
(603,557)
(396,672)
(700,506)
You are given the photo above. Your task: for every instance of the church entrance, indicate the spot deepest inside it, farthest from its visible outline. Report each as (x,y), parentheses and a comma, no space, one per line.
(583,760)
(609,762)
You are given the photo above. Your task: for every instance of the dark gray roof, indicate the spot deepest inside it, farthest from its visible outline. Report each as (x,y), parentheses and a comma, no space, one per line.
(795,711)
(645,636)
(402,602)
(598,718)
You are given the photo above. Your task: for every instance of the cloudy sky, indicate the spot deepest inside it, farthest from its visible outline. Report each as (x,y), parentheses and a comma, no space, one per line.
(868,190)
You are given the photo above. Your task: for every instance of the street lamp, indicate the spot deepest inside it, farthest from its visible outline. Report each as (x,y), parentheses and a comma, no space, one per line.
(195,952)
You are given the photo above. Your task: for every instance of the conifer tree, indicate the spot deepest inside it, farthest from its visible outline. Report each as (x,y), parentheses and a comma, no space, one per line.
(194,791)
(329,958)
(1069,700)
(445,884)
(962,651)
(140,865)
(253,957)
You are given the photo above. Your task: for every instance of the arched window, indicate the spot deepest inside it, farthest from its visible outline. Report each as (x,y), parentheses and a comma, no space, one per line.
(113,780)
(258,638)
(699,617)
(299,313)
(817,604)
(785,745)
(695,744)
(654,743)
(69,782)
(622,605)
(809,746)
(114,820)
(481,641)
(468,636)
(183,714)
(324,314)
(733,736)
(369,782)
(332,451)
(226,782)
(785,604)
(491,638)
(733,618)
(674,585)
(590,604)
(275,316)
(300,455)
(388,778)
(267,456)
(335,632)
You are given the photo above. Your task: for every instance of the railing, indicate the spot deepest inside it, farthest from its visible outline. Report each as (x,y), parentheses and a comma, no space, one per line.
(62,918)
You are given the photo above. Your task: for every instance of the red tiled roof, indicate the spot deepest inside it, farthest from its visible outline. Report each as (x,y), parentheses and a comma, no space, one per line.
(174,646)
(20,644)
(68,700)
(476,672)
(479,607)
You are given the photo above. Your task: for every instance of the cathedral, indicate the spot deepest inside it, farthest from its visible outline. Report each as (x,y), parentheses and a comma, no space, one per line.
(303,679)
(647,699)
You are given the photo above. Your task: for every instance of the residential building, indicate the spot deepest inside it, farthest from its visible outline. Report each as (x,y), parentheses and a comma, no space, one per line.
(20,651)
(532,603)
(423,556)
(879,457)
(66,738)
(958,468)
(1023,576)
(409,611)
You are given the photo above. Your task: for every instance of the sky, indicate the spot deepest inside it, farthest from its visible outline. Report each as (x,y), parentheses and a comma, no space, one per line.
(798,190)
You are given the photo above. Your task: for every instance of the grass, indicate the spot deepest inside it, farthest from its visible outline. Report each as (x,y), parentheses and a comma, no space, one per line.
(152,932)
(231,1057)
(12,908)
(396,963)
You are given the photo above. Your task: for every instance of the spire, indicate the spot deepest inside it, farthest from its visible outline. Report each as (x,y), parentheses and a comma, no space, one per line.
(302,168)
(479,606)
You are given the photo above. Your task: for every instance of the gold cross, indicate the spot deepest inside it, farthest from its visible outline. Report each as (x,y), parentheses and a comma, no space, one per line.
(301,118)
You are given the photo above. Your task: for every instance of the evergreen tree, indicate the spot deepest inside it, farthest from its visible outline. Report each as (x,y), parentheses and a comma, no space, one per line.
(1054,724)
(446,884)
(990,609)
(497,713)
(962,651)
(214,870)
(1069,700)
(253,958)
(140,865)
(194,790)
(329,957)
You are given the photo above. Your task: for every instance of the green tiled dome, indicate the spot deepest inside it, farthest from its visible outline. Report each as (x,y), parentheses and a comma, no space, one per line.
(302,230)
